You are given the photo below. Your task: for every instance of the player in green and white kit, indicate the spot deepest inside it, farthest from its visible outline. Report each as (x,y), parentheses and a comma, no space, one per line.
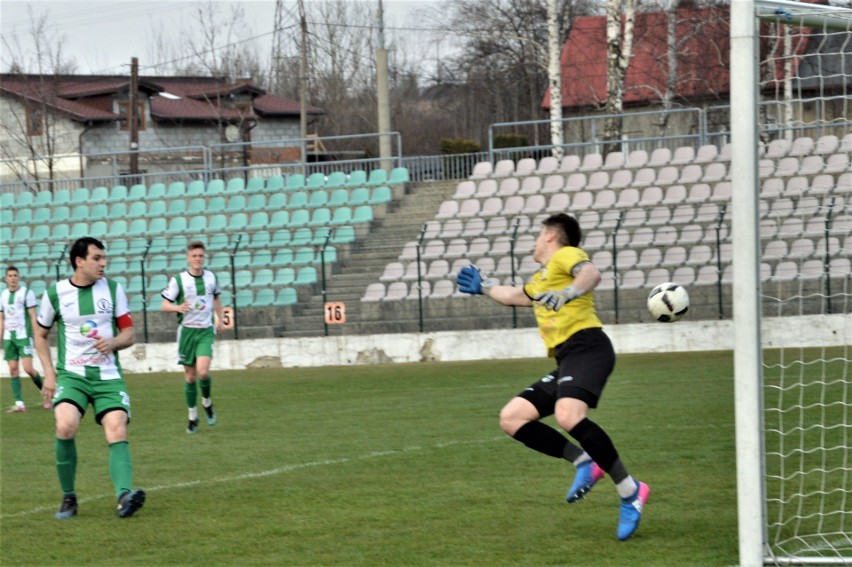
(93,319)
(17,314)
(194,295)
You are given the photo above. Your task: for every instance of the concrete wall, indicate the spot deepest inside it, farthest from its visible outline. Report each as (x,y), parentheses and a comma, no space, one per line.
(787,332)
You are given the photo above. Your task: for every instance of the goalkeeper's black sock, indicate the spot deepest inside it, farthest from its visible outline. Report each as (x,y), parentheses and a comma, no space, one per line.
(544,439)
(599,446)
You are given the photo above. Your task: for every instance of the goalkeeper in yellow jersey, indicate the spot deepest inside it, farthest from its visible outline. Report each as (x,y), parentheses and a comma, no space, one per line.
(560,294)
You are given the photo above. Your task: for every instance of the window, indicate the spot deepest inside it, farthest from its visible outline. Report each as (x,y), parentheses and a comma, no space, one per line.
(140,115)
(35,122)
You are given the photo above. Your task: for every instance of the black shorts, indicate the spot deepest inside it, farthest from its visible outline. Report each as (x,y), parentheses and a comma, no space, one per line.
(584,363)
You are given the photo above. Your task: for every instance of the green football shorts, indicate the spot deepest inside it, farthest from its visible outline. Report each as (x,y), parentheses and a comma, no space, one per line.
(193,343)
(104,395)
(15,349)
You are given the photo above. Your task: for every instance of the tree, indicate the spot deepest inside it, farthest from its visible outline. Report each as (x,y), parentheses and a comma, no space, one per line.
(620,15)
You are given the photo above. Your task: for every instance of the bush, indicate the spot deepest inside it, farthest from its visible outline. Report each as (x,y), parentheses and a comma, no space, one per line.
(510,141)
(451,146)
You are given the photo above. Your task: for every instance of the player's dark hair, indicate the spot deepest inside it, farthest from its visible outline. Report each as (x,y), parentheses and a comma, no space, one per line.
(12,269)
(567,228)
(80,249)
(194,245)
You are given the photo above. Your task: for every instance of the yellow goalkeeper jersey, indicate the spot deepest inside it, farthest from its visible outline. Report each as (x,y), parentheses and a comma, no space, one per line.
(556,327)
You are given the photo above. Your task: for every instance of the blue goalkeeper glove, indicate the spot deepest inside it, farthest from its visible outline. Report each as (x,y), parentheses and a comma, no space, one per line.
(556,300)
(470,280)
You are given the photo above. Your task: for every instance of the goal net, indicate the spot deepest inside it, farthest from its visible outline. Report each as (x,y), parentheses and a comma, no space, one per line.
(800,100)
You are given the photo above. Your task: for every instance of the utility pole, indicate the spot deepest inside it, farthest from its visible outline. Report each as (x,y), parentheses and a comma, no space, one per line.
(303,80)
(132,118)
(383,95)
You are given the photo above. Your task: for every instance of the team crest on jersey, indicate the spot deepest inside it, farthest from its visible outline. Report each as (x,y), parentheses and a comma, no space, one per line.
(104,305)
(89,329)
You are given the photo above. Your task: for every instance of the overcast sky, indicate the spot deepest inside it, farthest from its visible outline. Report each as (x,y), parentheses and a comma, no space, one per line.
(103,35)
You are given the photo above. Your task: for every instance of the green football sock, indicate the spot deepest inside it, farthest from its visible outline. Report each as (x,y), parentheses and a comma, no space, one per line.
(120,467)
(206,387)
(16,389)
(191,391)
(37,381)
(66,463)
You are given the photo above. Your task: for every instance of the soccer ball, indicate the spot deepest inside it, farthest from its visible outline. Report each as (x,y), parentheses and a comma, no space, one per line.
(668,302)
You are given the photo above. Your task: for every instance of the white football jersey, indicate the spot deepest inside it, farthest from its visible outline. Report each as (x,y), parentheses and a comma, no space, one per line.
(199,292)
(14,305)
(82,314)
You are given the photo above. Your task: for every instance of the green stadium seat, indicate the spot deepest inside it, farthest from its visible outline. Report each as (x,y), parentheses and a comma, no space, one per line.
(262,278)
(286,296)
(80,195)
(197,225)
(43,199)
(242,278)
(61,213)
(176,225)
(117,265)
(338,198)
(362,214)
(138,210)
(260,239)
(117,211)
(280,238)
(136,246)
(157,284)
(303,256)
(236,204)
(320,217)
(377,177)
(79,230)
(264,297)
(176,207)
(159,191)
(139,192)
(20,252)
(235,185)
(215,205)
(226,298)
(60,231)
(330,255)
(118,193)
(274,184)
(284,277)
(5,234)
(398,176)
(118,228)
(297,200)
(38,287)
(238,222)
(157,209)
(157,263)
(137,227)
(258,221)
(242,258)
(380,195)
(98,229)
(38,269)
(343,235)
(21,216)
(196,188)
(244,298)
(215,187)
(176,189)
(295,181)
(261,258)
(38,251)
(61,197)
(217,223)
(359,196)
(279,219)
(176,264)
(116,247)
(198,205)
(318,198)
(315,181)
(335,179)
(302,236)
(7,200)
(99,194)
(80,212)
(341,215)
(41,233)
(256,202)
(100,211)
(255,185)
(177,244)
(219,241)
(307,275)
(134,285)
(283,257)
(276,201)
(42,215)
(160,225)
(159,245)
(299,217)
(219,261)
(357,178)
(321,236)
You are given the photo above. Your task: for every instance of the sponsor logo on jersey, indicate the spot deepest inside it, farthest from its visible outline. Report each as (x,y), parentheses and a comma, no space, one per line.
(200,304)
(89,329)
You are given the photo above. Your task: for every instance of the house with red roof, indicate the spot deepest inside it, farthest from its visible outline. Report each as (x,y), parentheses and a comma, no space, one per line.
(702,78)
(87,115)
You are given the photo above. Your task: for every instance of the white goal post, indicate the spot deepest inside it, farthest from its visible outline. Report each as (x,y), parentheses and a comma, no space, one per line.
(777,540)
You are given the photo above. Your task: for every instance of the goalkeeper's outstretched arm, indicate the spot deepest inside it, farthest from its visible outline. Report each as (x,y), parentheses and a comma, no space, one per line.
(470,281)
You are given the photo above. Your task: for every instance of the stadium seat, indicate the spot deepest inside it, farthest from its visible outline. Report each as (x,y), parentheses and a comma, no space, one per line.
(529,186)
(456,248)
(591,162)
(570,163)
(286,296)
(660,157)
(675,256)
(649,258)
(546,166)
(706,153)
(380,195)
(255,185)
(294,182)
(235,185)
(274,184)
(486,188)
(683,155)
(307,275)
(315,181)
(597,180)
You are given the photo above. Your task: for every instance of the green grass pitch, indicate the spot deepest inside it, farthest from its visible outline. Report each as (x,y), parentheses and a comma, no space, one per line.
(397,465)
